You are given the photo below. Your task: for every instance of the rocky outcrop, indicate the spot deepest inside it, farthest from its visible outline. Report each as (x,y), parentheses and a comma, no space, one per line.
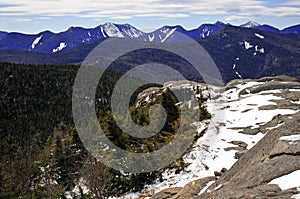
(250,175)
(272,85)
(269,159)
(188,191)
(272,157)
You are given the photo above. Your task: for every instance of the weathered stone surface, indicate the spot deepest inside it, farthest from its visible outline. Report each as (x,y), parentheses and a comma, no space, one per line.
(272,85)
(249,176)
(146,194)
(167,193)
(269,159)
(190,190)
(239,154)
(234,148)
(240,144)
(279,78)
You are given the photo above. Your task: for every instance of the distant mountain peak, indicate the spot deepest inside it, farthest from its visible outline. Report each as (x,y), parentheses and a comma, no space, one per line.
(108,23)
(76,36)
(219,23)
(250,24)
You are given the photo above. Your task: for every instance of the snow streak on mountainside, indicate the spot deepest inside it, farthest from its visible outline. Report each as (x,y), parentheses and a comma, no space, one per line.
(75,36)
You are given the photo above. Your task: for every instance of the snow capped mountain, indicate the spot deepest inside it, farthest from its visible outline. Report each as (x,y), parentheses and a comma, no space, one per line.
(250,24)
(293,29)
(110,30)
(73,37)
(129,31)
(50,42)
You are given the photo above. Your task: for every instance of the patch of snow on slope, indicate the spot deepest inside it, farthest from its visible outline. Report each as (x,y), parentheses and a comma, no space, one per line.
(238,75)
(247,45)
(112,30)
(61,46)
(151,38)
(168,34)
(259,36)
(288,181)
(260,50)
(132,32)
(36,41)
(206,187)
(102,31)
(218,187)
(292,139)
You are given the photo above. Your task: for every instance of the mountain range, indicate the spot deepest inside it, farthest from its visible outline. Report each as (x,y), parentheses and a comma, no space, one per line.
(247,51)
(50,42)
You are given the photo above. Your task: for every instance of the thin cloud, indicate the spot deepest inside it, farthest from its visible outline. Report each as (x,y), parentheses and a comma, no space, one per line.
(292,3)
(234,18)
(121,17)
(166,15)
(149,8)
(44,18)
(23,20)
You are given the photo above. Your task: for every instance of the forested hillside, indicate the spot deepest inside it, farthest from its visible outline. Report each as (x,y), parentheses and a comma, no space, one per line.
(41,153)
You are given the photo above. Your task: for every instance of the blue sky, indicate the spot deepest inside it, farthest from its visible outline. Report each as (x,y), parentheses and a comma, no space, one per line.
(33,16)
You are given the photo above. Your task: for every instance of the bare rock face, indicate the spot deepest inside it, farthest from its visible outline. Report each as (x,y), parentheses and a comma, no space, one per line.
(188,191)
(167,193)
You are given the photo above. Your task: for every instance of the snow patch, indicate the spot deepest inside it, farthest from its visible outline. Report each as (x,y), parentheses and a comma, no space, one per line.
(218,187)
(247,45)
(275,127)
(168,34)
(206,187)
(288,181)
(151,38)
(132,32)
(238,75)
(61,46)
(102,31)
(259,36)
(292,139)
(260,50)
(36,41)
(111,30)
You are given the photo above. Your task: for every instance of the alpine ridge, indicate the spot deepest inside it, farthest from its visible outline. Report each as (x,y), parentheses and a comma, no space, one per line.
(50,42)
